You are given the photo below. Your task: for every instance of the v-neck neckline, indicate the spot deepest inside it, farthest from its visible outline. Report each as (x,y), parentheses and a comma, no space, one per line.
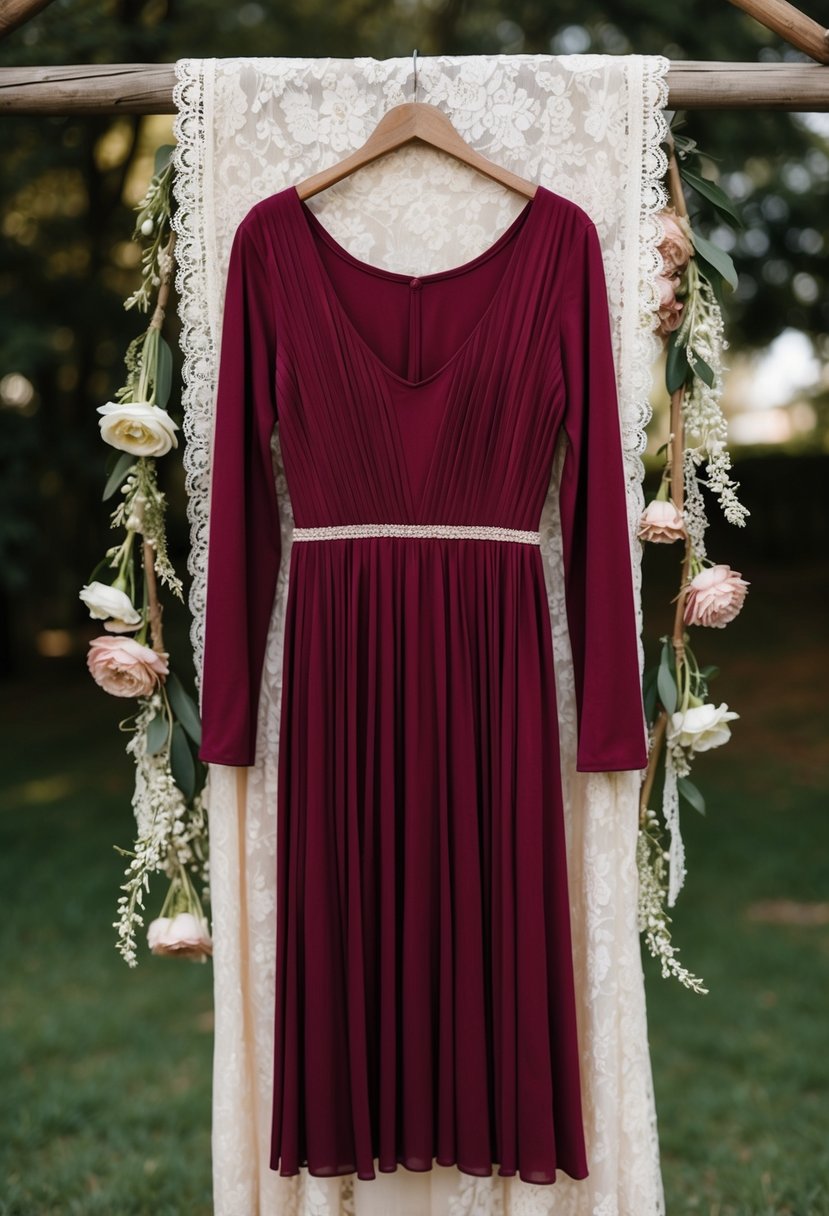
(518,228)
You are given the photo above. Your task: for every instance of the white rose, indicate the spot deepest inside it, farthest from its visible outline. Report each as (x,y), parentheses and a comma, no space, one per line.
(138,427)
(702,727)
(106,603)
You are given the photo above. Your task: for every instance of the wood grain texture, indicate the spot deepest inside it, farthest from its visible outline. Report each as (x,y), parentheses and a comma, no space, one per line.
(147,88)
(791,24)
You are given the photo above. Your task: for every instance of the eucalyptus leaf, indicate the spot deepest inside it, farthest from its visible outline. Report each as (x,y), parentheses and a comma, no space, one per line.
(715,279)
(715,257)
(162,157)
(666,683)
(163,373)
(157,730)
(184,707)
(703,370)
(649,692)
(677,368)
(181,762)
(691,794)
(119,472)
(713,193)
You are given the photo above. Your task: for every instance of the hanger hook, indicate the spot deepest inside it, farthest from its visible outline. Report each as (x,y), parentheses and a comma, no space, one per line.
(414,67)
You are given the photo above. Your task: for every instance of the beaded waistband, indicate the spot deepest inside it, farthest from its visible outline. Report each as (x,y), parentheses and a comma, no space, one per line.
(462,531)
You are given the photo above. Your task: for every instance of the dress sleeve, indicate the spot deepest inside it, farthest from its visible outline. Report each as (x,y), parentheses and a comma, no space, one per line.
(244,534)
(612,735)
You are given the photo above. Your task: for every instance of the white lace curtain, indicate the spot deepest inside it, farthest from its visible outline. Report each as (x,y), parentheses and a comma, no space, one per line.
(590,128)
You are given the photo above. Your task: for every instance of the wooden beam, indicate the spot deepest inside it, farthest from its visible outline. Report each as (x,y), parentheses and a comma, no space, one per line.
(147,88)
(700,85)
(15,13)
(792,25)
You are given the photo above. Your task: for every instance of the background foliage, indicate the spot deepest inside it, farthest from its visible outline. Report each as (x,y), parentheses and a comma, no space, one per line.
(68,263)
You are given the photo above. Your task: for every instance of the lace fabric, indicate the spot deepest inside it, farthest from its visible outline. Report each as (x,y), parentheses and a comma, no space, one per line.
(589,127)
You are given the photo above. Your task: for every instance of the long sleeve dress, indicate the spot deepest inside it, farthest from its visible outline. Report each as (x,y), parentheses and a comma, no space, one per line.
(424,1005)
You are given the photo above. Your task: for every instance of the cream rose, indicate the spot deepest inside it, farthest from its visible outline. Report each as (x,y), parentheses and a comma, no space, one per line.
(137,427)
(715,596)
(676,246)
(124,667)
(701,727)
(184,935)
(106,603)
(661,522)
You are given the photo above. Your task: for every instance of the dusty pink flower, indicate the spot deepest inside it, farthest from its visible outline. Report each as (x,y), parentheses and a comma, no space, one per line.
(714,597)
(661,522)
(670,308)
(676,246)
(124,667)
(185,936)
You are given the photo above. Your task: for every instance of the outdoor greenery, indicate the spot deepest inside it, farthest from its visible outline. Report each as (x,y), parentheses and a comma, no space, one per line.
(69,183)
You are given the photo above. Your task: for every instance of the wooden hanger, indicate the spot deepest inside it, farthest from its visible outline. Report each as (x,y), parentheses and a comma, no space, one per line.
(400,125)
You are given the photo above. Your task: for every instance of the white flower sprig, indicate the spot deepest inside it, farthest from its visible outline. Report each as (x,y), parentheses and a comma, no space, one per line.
(682,721)
(171,830)
(653,919)
(167,799)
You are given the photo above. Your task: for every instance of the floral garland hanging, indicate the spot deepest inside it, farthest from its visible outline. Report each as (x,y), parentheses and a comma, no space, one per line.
(682,721)
(165,730)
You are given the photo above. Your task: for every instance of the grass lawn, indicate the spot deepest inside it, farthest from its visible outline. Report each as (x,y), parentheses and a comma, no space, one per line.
(105,1072)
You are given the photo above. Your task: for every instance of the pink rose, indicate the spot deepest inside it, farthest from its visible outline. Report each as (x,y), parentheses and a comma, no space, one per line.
(185,936)
(670,308)
(124,667)
(715,596)
(661,522)
(676,246)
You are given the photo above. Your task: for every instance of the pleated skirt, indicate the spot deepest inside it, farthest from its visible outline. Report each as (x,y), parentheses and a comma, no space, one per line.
(424,1005)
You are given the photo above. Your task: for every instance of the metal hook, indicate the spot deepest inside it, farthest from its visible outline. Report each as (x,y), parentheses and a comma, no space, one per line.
(414,67)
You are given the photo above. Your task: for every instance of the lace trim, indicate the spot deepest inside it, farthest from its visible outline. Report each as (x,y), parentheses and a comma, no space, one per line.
(455,531)
(198,347)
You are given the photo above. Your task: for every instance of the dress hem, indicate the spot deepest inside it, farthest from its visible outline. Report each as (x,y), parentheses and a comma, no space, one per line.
(573,1173)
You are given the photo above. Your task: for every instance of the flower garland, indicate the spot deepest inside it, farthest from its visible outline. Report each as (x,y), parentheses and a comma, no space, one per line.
(682,721)
(165,731)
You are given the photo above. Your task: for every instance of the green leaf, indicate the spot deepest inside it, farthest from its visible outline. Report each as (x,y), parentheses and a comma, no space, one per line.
(716,257)
(677,368)
(157,730)
(691,794)
(181,762)
(702,369)
(184,707)
(649,691)
(119,472)
(163,373)
(715,280)
(666,681)
(708,673)
(162,157)
(713,193)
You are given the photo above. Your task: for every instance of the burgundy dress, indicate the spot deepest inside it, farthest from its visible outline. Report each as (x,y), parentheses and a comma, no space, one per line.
(424,1004)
